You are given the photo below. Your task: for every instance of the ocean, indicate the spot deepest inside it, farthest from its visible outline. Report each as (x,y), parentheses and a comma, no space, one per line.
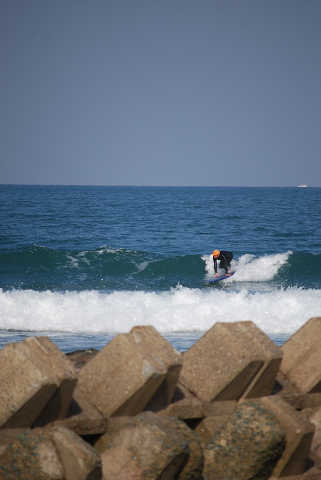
(81,264)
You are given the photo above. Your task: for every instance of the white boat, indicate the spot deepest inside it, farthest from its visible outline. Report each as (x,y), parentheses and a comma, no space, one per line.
(302,185)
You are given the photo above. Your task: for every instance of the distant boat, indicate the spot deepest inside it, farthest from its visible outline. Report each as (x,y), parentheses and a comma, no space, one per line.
(302,185)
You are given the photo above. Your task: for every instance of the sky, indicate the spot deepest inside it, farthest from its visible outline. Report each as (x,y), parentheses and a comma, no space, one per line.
(160,92)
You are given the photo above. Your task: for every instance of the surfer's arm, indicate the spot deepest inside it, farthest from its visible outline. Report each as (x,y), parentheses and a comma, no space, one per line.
(215,264)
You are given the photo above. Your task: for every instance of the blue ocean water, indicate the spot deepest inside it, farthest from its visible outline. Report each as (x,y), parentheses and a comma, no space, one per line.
(81,264)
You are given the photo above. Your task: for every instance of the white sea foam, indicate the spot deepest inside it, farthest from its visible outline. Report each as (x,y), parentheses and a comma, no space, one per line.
(181,309)
(250,268)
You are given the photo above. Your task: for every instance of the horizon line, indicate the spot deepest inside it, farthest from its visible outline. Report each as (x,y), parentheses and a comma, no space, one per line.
(153,186)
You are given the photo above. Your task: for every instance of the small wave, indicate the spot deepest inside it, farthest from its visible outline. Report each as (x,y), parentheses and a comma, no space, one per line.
(252,269)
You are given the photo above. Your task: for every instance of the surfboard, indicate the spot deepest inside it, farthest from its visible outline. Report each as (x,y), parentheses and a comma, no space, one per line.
(221,277)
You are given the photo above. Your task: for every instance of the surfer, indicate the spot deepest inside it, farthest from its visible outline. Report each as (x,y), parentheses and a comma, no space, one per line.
(225,259)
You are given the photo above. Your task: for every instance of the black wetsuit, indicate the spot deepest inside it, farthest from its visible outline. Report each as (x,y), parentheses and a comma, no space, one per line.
(225,259)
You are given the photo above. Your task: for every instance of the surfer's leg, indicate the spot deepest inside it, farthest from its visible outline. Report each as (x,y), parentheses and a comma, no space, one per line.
(224,266)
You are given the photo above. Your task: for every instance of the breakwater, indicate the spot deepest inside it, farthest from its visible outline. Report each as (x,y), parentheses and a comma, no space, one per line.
(233,406)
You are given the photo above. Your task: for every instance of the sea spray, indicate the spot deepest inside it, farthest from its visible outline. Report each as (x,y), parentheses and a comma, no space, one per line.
(182,309)
(250,268)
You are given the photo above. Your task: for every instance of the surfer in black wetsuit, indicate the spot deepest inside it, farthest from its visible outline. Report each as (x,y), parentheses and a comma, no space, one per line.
(225,259)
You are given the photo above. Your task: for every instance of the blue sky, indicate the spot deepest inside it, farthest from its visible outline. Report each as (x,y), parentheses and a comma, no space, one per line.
(170,92)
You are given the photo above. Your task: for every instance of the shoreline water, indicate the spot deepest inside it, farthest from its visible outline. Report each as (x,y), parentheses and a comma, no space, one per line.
(69,343)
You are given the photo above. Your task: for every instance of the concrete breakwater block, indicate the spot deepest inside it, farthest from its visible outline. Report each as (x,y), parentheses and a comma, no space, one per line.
(150,446)
(299,433)
(150,342)
(302,357)
(53,453)
(247,446)
(37,383)
(315,419)
(216,415)
(231,361)
(124,376)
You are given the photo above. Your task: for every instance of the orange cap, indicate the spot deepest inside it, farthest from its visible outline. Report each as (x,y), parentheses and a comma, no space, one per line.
(216,253)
